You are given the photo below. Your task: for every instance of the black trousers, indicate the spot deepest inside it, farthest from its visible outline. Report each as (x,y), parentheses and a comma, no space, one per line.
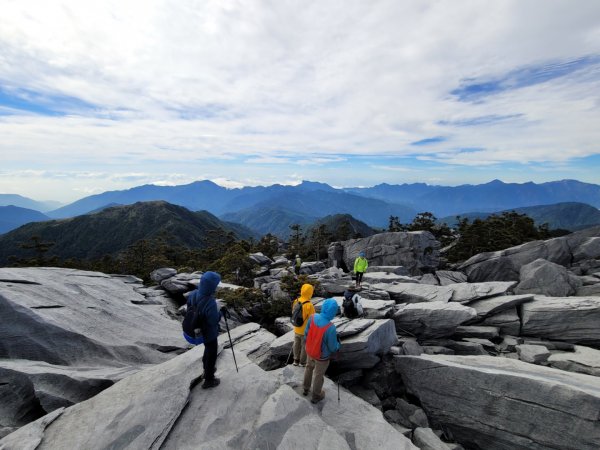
(359,276)
(209,360)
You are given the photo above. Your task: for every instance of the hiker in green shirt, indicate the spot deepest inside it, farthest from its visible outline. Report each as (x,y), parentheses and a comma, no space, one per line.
(360,267)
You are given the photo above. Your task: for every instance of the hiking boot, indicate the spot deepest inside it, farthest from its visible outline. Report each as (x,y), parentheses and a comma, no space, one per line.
(305,392)
(296,362)
(213,382)
(318,398)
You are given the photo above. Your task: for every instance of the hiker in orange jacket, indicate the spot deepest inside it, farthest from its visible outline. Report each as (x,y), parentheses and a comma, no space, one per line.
(321,344)
(308,309)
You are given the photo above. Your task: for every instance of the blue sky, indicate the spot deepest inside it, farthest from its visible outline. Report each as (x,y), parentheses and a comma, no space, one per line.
(98,96)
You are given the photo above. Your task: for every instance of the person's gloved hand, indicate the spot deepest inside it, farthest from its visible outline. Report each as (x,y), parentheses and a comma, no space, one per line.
(225,312)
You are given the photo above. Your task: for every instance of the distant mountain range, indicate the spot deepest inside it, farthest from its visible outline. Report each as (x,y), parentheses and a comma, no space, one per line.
(273,208)
(571,216)
(12,217)
(24,202)
(112,230)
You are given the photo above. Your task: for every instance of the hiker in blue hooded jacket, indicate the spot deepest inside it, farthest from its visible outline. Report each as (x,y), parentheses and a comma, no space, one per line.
(321,344)
(204,296)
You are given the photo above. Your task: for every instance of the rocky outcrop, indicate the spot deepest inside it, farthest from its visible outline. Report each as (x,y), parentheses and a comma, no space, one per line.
(500,403)
(492,306)
(505,265)
(417,251)
(164,407)
(582,360)
(546,278)
(432,319)
(72,333)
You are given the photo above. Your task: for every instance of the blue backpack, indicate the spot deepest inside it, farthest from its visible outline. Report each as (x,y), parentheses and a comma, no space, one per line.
(192,328)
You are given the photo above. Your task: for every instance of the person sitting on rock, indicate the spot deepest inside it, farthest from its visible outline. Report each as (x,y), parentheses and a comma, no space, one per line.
(360,267)
(321,344)
(352,306)
(210,317)
(308,310)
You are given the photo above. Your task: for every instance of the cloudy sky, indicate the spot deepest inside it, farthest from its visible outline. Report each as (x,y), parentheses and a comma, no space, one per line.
(107,95)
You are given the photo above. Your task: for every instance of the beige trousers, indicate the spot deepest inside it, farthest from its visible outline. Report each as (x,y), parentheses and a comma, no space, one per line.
(319,368)
(299,349)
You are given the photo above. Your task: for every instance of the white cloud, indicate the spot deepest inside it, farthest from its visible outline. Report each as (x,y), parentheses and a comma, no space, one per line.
(206,88)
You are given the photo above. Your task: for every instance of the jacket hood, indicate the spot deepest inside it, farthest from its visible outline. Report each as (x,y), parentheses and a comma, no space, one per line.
(329,309)
(208,284)
(306,292)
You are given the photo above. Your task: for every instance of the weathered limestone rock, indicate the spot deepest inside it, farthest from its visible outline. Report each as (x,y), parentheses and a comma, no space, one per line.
(429,278)
(470,292)
(386,277)
(568,250)
(283,325)
(260,259)
(492,306)
(374,294)
(416,251)
(181,282)
(162,274)
(432,319)
(415,293)
(477,332)
(534,354)
(311,267)
(588,291)
(163,407)
(569,319)
(507,321)
(500,403)
(582,360)
(546,278)
(397,270)
(447,277)
(426,439)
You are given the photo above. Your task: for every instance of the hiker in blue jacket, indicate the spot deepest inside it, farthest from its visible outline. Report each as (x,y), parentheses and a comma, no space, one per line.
(321,344)
(204,296)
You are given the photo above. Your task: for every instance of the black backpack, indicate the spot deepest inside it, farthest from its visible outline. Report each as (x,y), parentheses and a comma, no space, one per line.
(349,307)
(191,325)
(297,318)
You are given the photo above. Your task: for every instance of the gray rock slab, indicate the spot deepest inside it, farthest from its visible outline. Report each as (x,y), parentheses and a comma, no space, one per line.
(569,319)
(447,277)
(162,407)
(417,251)
(429,278)
(426,439)
(507,321)
(491,306)
(71,317)
(283,325)
(466,331)
(534,354)
(504,265)
(470,292)
(364,350)
(387,277)
(588,291)
(260,259)
(582,360)
(501,403)
(432,319)
(546,278)
(161,274)
(415,293)
(397,270)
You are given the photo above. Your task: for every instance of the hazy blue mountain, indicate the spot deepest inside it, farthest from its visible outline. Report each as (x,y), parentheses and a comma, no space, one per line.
(112,230)
(265,220)
(488,197)
(24,202)
(569,215)
(12,217)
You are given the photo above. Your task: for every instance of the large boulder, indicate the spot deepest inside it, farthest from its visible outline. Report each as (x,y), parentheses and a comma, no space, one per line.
(164,407)
(72,333)
(417,251)
(504,265)
(546,278)
(492,306)
(582,360)
(432,319)
(470,292)
(500,403)
(507,321)
(569,319)
(416,293)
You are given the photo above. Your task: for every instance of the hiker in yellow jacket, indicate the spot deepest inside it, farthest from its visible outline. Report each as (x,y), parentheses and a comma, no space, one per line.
(360,267)
(308,309)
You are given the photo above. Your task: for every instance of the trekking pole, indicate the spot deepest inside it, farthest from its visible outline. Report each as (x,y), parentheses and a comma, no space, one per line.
(225,313)
(287,361)
(338,383)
